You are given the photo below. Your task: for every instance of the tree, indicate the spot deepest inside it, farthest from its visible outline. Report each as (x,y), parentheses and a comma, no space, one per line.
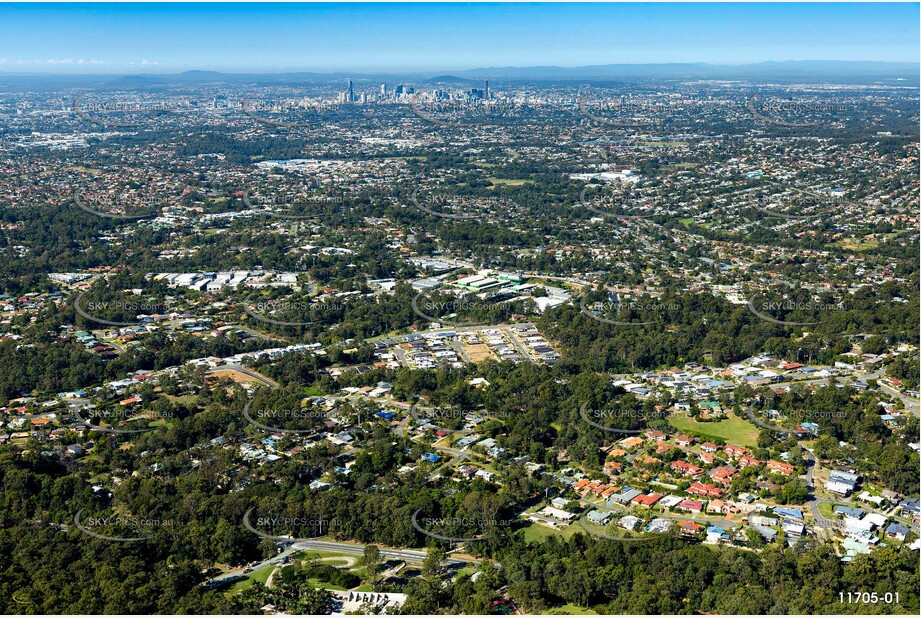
(527,596)
(268,548)
(793,492)
(372,559)
(434,562)
(754,538)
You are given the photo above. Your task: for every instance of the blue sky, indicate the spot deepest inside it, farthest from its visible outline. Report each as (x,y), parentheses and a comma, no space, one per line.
(103,38)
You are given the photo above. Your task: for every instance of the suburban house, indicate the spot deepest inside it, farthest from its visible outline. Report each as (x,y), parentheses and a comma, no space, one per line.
(746,461)
(716,534)
(723,475)
(686,469)
(626,495)
(694,506)
(841,483)
(599,518)
(689,528)
(735,452)
(897,531)
(556,514)
(629,522)
(647,500)
(780,467)
(702,489)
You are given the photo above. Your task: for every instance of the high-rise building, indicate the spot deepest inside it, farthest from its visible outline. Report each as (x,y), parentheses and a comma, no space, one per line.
(486,90)
(384,91)
(351,95)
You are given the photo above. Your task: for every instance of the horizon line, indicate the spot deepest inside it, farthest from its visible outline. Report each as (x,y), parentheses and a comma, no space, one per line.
(446,72)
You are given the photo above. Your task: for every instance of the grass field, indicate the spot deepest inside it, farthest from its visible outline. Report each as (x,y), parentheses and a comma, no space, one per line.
(570,609)
(512,182)
(259,575)
(534,533)
(733,430)
(319,583)
(864,244)
(314,555)
(342,563)
(470,569)
(182,399)
(857,245)
(827,510)
(337,562)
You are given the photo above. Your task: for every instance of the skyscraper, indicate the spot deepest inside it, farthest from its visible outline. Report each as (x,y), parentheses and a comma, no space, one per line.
(351,95)
(486,90)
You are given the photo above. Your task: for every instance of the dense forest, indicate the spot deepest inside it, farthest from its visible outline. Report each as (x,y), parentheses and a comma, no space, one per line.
(50,571)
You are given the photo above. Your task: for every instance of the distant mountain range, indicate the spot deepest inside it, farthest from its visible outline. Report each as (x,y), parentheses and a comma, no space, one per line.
(793,69)
(804,71)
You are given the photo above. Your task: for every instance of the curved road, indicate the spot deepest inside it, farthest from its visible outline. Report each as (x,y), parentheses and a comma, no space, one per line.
(812,503)
(247,372)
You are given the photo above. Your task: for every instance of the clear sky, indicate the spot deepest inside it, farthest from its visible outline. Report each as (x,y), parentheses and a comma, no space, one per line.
(103,38)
